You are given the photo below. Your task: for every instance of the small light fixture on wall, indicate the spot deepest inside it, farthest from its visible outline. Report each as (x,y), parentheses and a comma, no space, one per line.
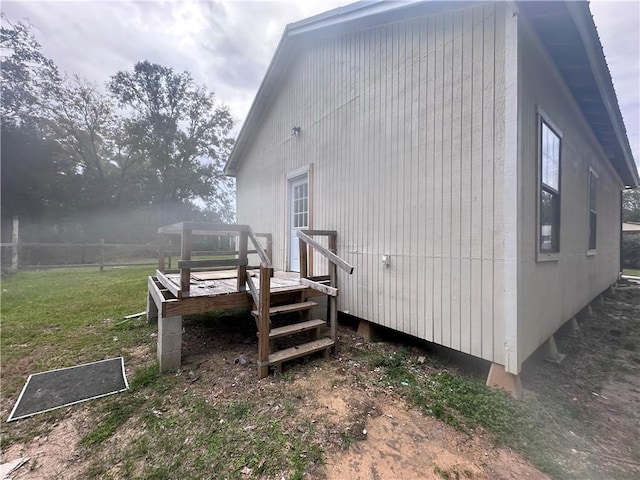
(295,132)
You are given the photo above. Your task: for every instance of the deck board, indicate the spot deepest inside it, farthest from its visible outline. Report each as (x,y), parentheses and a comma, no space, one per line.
(203,286)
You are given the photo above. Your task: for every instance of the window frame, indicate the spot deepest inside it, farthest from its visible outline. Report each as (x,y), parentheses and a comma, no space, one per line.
(592,250)
(544,255)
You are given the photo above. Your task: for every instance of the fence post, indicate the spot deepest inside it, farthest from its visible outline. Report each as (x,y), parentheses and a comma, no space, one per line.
(102,254)
(15,240)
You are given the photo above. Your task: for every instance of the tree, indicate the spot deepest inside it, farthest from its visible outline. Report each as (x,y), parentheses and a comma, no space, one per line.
(631,205)
(152,142)
(29,79)
(35,178)
(181,131)
(91,134)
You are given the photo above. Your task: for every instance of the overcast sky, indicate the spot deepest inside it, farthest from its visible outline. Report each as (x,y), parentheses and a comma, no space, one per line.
(227,44)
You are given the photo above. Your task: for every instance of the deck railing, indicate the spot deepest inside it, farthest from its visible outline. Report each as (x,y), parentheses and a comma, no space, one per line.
(319,283)
(239,261)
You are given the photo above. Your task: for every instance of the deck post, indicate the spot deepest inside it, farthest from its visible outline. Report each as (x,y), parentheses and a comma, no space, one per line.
(185,254)
(332,303)
(269,247)
(242,255)
(263,321)
(303,258)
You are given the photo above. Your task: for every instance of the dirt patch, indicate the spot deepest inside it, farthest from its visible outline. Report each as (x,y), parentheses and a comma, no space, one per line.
(403,443)
(364,427)
(593,396)
(54,455)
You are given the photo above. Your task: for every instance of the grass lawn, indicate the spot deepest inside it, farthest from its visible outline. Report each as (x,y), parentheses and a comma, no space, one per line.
(58,318)
(634,272)
(213,419)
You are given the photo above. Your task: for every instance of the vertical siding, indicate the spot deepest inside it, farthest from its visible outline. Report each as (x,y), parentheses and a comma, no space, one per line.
(549,293)
(403,128)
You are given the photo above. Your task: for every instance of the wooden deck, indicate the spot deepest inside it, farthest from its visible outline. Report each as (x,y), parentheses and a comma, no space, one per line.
(225,282)
(216,290)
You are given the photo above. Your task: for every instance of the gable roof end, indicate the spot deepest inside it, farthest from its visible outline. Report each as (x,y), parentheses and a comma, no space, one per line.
(565,28)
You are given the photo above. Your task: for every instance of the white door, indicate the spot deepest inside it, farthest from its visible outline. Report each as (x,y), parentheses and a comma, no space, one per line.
(298,217)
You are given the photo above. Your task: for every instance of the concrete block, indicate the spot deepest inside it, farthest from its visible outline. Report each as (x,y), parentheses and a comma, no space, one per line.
(152,309)
(551,351)
(574,327)
(499,378)
(169,325)
(367,331)
(169,362)
(169,343)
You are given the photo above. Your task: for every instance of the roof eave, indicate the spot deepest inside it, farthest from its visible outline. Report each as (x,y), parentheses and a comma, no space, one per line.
(586,27)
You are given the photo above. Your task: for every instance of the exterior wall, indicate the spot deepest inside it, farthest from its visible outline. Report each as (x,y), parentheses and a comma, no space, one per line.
(403,129)
(551,292)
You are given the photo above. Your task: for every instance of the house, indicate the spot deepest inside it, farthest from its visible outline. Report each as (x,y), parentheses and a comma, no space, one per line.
(631,228)
(470,155)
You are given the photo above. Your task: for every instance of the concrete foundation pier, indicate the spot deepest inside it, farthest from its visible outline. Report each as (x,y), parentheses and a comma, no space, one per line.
(169,343)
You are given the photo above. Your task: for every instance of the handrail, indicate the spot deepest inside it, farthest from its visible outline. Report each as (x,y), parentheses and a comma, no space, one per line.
(265,261)
(332,257)
(269,243)
(254,292)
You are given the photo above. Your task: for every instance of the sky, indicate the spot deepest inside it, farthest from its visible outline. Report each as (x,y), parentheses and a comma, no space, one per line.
(227,44)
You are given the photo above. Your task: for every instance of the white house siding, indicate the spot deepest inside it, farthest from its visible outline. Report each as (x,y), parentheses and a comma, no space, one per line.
(403,128)
(550,293)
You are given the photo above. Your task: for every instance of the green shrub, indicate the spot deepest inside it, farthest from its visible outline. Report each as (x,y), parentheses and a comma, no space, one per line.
(630,251)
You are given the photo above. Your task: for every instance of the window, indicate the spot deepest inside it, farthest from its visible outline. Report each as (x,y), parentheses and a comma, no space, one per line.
(549,233)
(593,209)
(301,205)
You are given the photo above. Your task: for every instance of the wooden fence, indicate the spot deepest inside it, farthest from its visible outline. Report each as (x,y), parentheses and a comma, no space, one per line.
(100,253)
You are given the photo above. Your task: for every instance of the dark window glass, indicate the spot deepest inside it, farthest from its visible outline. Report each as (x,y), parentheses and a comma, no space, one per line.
(549,221)
(549,189)
(593,210)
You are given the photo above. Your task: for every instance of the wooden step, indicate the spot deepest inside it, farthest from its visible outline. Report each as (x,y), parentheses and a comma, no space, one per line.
(293,307)
(296,328)
(300,351)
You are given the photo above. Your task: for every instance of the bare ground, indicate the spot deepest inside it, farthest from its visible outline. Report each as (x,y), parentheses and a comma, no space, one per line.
(369,432)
